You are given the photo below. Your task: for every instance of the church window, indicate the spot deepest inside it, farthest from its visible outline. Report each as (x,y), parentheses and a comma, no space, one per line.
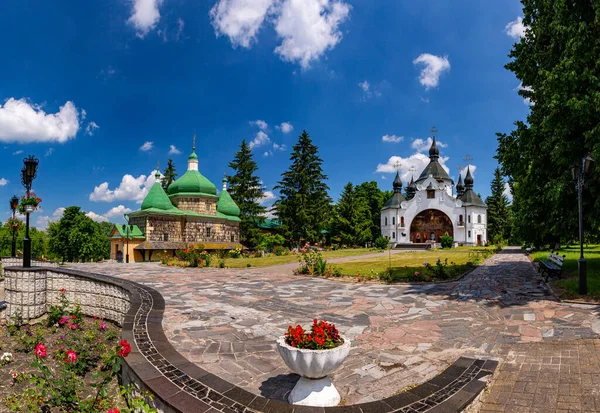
(469,218)
(208,232)
(430,194)
(393,235)
(208,207)
(469,234)
(385,220)
(479,219)
(232,238)
(166,236)
(460,220)
(402,221)
(393,220)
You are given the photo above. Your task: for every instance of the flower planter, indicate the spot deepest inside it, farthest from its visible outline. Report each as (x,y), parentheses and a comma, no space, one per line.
(315,387)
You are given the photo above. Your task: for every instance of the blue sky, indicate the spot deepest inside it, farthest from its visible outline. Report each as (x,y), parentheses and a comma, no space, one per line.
(101,91)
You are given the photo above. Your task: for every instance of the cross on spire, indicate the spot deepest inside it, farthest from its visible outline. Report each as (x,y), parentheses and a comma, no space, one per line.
(468,158)
(397,165)
(158,165)
(194,143)
(433,131)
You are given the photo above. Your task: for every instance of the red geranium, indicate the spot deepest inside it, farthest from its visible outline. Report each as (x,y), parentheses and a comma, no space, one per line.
(40,350)
(115,410)
(71,356)
(124,348)
(323,335)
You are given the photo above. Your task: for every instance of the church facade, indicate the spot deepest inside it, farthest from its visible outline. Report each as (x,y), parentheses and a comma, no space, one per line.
(190,212)
(430,209)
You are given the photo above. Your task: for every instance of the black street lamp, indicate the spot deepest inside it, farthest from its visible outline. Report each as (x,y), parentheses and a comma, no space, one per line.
(128,230)
(14,203)
(28,174)
(579,172)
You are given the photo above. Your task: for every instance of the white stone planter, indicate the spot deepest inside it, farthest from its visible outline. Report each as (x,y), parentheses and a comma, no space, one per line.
(314,387)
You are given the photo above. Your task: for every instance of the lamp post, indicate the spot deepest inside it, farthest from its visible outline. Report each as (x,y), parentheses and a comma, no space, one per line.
(128,229)
(28,174)
(14,203)
(579,172)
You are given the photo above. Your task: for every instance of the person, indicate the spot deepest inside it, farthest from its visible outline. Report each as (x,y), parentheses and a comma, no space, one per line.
(120,256)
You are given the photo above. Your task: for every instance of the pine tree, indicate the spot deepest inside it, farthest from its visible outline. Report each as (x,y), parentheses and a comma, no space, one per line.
(169,175)
(375,198)
(498,221)
(246,190)
(303,206)
(354,216)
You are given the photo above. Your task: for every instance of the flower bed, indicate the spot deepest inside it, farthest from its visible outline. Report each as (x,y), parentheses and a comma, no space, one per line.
(69,364)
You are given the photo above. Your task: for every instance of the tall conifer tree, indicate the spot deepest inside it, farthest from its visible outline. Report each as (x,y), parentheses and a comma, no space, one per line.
(303,206)
(169,175)
(246,190)
(498,222)
(375,198)
(354,216)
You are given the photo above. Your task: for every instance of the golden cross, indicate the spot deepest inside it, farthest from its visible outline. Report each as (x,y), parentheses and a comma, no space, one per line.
(433,131)
(397,165)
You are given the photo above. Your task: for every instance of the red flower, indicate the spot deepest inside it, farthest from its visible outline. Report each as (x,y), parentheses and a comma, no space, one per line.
(62,290)
(115,410)
(124,349)
(71,356)
(40,350)
(73,317)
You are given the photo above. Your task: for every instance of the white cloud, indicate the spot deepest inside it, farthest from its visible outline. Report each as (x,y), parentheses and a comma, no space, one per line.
(463,171)
(308,28)
(240,20)
(145,16)
(527,101)
(392,138)
(91,128)
(49,152)
(19,152)
(23,122)
(130,189)
(3,181)
(174,150)
(418,160)
(116,212)
(147,146)
(180,26)
(42,221)
(516,28)
(260,139)
(507,191)
(278,147)
(96,217)
(364,85)
(423,145)
(434,67)
(285,127)
(267,153)
(267,197)
(262,125)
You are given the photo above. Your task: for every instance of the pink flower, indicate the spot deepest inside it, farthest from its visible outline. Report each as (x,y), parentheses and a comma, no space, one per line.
(63,320)
(102,326)
(71,356)
(40,350)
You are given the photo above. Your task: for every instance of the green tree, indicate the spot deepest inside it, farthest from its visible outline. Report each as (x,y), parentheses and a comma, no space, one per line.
(354,216)
(375,198)
(303,205)
(169,175)
(498,212)
(38,241)
(246,190)
(559,70)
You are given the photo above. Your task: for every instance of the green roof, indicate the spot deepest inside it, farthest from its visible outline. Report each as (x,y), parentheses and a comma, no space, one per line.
(192,182)
(226,205)
(157,199)
(135,233)
(193,155)
(178,212)
(269,223)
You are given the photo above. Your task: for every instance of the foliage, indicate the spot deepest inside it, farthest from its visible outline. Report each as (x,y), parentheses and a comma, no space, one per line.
(235,253)
(169,175)
(39,241)
(193,256)
(77,237)
(267,242)
(381,242)
(14,224)
(446,241)
(375,199)
(311,261)
(559,70)
(303,206)
(498,212)
(246,190)
(29,200)
(322,336)
(353,218)
(279,250)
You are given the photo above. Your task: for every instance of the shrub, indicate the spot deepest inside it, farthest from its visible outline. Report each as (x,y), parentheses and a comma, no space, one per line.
(439,270)
(446,241)
(312,262)
(235,253)
(381,243)
(279,250)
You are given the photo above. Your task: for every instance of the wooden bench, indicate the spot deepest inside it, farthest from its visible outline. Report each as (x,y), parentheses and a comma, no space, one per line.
(552,266)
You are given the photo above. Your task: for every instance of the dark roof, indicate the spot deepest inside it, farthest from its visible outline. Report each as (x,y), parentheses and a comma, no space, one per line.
(161,245)
(470,198)
(469,181)
(436,170)
(395,201)
(397,182)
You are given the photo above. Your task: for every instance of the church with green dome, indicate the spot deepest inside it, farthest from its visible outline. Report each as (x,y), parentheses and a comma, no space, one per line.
(190,212)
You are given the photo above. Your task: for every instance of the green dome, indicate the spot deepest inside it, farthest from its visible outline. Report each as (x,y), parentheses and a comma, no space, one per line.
(192,182)
(226,205)
(193,156)
(157,198)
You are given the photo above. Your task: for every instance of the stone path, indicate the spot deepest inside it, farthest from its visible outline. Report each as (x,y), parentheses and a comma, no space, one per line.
(226,320)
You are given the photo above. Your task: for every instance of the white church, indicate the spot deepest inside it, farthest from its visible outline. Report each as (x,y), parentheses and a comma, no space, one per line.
(430,209)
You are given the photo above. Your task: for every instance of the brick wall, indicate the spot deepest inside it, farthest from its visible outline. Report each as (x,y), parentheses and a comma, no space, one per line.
(207,206)
(158,226)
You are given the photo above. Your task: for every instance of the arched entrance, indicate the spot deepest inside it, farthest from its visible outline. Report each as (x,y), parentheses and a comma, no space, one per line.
(430,225)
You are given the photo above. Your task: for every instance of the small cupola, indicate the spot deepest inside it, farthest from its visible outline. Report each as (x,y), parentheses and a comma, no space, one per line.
(460,188)
(226,205)
(397,183)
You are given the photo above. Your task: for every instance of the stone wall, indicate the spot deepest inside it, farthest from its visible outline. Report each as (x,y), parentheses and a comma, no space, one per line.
(158,226)
(200,205)
(18,261)
(30,292)
(196,232)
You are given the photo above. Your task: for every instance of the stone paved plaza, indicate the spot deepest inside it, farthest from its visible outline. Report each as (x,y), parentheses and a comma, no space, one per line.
(227,320)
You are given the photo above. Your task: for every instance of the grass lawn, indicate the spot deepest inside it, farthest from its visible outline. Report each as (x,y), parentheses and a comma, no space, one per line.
(570,285)
(405,264)
(291,258)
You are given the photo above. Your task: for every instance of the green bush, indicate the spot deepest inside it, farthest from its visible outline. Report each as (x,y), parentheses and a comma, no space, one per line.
(381,243)
(446,241)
